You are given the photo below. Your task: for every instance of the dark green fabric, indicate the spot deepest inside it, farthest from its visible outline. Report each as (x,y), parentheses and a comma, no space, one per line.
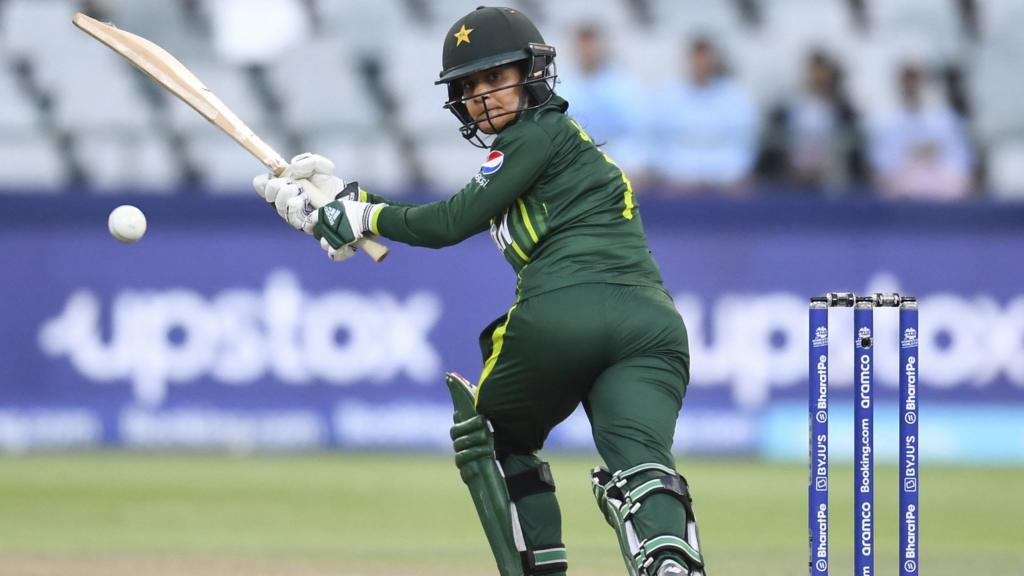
(578,203)
(620,350)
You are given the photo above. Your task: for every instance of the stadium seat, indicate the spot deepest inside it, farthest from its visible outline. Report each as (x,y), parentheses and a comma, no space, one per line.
(774,62)
(230,84)
(933,24)
(40,168)
(374,160)
(255,31)
(224,166)
(995,78)
(564,15)
(331,95)
(873,74)
(805,23)
(449,162)
(83,103)
(17,113)
(366,26)
(410,69)
(1006,169)
(443,14)
(167,24)
(136,162)
(686,18)
(24,19)
(1001,22)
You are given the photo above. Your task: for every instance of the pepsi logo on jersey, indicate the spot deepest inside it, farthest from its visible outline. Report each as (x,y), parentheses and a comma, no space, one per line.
(493,163)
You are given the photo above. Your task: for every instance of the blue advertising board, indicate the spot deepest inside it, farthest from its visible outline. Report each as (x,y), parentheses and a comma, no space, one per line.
(223,329)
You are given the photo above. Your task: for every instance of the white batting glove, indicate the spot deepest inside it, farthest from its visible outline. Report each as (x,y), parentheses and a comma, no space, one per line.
(318,170)
(288,196)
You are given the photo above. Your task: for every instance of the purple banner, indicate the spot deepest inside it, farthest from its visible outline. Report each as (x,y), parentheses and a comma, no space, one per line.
(230,331)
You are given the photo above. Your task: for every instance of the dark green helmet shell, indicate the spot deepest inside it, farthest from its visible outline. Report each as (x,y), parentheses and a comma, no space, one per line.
(485,38)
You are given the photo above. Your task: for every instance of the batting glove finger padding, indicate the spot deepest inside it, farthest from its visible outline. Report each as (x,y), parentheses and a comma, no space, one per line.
(273,189)
(283,191)
(260,184)
(308,164)
(300,214)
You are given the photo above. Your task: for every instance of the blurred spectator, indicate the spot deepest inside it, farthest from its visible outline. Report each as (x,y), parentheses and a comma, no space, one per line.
(707,127)
(815,139)
(602,98)
(921,150)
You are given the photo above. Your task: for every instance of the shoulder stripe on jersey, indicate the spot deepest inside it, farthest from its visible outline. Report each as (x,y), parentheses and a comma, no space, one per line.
(582,132)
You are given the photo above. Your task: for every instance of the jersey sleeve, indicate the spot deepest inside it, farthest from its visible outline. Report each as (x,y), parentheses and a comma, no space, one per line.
(365,196)
(517,158)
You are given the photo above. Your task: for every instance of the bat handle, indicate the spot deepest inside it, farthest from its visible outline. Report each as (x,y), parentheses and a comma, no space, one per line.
(373,248)
(318,198)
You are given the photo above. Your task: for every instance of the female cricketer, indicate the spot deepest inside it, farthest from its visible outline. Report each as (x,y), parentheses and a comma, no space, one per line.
(591,322)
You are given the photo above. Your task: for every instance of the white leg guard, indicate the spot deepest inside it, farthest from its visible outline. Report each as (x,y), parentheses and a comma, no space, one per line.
(620,496)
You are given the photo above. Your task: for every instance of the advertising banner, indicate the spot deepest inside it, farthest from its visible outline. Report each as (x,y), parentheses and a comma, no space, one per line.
(223,329)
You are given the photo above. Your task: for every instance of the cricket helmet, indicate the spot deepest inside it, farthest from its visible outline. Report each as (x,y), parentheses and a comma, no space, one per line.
(489,37)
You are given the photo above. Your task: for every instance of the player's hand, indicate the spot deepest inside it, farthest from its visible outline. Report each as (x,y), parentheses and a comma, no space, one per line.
(288,195)
(344,221)
(318,170)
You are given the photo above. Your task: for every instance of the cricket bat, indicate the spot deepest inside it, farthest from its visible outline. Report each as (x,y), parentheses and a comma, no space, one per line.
(167,71)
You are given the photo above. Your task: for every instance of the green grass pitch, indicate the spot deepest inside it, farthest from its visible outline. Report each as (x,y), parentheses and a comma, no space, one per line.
(115,514)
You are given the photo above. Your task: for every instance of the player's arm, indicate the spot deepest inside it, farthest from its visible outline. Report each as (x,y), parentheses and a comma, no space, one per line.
(525,151)
(371,198)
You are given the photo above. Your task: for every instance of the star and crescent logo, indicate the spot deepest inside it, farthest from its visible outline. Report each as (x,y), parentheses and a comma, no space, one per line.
(462,35)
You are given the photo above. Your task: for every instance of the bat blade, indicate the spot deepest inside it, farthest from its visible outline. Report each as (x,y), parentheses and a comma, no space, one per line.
(176,78)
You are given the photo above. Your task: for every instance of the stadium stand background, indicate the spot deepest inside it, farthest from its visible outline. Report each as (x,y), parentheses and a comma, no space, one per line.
(74,117)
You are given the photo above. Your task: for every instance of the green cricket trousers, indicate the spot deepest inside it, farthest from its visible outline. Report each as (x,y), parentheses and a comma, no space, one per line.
(620,350)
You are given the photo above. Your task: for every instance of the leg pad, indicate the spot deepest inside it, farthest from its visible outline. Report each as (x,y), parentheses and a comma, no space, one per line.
(621,495)
(494,495)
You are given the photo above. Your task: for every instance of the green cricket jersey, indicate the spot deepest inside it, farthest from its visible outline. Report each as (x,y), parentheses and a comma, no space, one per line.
(558,208)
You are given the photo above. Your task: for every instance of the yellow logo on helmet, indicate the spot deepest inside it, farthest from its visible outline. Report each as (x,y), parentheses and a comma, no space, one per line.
(462,35)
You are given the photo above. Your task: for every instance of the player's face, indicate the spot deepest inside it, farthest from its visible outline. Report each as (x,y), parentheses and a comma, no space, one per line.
(493,110)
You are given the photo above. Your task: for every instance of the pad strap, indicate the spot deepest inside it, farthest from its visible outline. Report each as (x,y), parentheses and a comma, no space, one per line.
(644,556)
(546,560)
(534,481)
(674,485)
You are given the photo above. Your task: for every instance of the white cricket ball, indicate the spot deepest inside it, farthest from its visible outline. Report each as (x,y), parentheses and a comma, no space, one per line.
(127,224)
